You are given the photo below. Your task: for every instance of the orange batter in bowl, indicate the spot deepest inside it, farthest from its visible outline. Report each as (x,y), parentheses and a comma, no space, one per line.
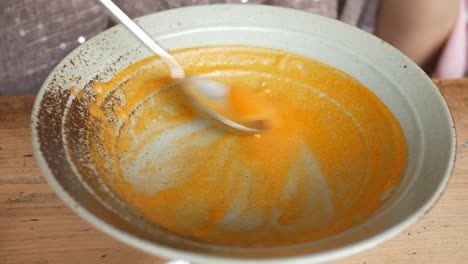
(332,154)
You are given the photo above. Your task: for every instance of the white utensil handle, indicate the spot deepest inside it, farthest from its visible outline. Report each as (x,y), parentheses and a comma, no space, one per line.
(176,70)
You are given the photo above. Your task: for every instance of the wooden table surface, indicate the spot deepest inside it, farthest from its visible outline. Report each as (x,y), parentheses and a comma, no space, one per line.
(36,227)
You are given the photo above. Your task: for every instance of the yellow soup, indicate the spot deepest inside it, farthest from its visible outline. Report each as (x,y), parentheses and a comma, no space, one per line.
(333,155)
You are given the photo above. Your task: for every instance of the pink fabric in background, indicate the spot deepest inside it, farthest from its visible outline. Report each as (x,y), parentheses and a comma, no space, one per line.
(453,60)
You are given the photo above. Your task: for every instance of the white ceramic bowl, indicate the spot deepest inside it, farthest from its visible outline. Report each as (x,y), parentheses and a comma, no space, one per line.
(398,82)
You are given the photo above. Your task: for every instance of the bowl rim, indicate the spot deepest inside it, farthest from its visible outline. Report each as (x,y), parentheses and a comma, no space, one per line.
(172,253)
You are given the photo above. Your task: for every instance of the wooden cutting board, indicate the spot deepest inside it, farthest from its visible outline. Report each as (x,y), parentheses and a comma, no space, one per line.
(36,227)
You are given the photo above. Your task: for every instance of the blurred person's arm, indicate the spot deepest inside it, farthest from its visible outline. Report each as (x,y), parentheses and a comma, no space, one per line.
(419,28)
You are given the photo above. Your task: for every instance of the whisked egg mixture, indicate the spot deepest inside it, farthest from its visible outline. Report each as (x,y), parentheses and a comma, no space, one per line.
(334,150)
